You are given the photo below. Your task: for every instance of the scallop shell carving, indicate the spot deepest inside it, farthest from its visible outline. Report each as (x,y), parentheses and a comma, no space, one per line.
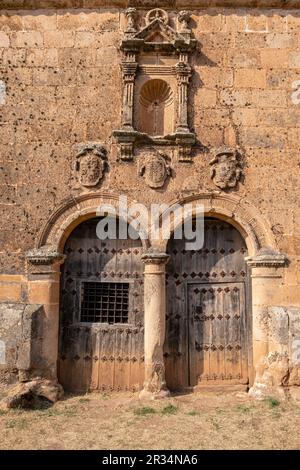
(156,92)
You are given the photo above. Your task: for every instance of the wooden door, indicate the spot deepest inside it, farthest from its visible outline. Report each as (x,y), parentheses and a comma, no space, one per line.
(101,343)
(208,326)
(218,341)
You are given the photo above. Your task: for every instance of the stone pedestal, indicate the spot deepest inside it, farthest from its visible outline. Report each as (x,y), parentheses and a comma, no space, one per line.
(155,325)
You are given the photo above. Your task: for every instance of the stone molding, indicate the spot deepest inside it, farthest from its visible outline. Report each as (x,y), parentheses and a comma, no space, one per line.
(174,4)
(155,258)
(233,209)
(72,212)
(44,256)
(267,258)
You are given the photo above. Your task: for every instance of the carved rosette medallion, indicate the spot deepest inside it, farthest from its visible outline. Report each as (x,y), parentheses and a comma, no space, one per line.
(90,164)
(157,14)
(226,170)
(155,169)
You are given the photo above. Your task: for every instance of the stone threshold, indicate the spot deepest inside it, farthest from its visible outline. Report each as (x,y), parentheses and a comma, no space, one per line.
(217,388)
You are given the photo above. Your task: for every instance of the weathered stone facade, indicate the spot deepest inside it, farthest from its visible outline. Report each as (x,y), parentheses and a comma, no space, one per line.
(61,103)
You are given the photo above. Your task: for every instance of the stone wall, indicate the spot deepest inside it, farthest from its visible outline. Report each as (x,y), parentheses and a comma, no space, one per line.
(280,368)
(21,336)
(61,85)
(59,71)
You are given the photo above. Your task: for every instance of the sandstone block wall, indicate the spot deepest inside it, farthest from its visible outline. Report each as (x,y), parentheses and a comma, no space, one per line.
(60,84)
(21,336)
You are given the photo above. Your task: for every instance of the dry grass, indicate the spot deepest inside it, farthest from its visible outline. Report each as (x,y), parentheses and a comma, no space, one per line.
(121,421)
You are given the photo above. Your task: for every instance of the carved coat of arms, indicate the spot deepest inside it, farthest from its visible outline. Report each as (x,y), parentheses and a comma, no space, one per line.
(155,170)
(226,170)
(90,164)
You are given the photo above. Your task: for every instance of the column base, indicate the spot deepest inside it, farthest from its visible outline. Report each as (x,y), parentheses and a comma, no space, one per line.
(147,395)
(263,392)
(271,377)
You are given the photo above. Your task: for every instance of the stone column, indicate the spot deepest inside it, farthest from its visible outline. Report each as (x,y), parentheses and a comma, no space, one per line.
(155,325)
(43,271)
(266,273)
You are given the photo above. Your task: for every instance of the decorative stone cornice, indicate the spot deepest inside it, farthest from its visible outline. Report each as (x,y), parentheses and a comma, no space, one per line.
(183,137)
(155,257)
(44,256)
(267,258)
(174,4)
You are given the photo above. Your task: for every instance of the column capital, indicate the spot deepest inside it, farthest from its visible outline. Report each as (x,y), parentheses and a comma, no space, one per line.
(267,258)
(129,70)
(155,257)
(45,259)
(267,263)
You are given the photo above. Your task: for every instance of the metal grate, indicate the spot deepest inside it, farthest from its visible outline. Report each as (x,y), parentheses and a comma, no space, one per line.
(104,302)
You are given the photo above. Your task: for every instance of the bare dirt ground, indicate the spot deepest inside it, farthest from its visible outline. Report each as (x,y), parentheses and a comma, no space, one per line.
(120,421)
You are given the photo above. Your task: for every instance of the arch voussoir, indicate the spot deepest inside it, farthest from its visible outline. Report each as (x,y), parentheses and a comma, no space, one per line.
(235,210)
(75,211)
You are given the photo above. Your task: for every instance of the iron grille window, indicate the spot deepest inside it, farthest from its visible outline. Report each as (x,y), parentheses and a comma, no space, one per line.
(104,302)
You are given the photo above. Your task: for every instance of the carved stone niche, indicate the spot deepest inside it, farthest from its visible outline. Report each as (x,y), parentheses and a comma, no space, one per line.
(90,164)
(226,168)
(156,76)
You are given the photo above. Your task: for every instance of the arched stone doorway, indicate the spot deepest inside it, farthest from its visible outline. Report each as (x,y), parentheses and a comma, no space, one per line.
(208,321)
(265,262)
(101,340)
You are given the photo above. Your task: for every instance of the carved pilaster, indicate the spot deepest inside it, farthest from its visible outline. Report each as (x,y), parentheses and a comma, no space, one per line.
(129,69)
(183,72)
(126,136)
